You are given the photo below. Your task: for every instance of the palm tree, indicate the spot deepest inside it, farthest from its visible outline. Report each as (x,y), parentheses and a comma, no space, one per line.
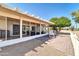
(76,17)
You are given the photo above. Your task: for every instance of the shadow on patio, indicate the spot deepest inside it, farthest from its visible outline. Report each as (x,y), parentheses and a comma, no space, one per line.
(24,46)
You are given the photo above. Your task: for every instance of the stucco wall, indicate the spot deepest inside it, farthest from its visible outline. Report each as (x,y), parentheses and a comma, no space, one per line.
(37,28)
(2,23)
(10,25)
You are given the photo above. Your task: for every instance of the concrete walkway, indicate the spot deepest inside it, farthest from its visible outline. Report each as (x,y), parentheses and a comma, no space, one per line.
(59,46)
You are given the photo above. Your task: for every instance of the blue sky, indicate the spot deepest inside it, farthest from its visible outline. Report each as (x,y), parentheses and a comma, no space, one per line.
(48,10)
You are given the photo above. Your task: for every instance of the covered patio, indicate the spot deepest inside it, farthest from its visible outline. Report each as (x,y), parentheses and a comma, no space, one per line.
(11,28)
(20,26)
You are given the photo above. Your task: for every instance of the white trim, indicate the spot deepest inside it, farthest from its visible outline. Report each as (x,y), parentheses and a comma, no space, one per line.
(6,28)
(40,29)
(75,43)
(20,28)
(15,41)
(30,28)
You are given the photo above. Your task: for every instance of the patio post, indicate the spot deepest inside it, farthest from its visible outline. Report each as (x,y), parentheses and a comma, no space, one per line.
(35,29)
(6,28)
(48,29)
(20,28)
(45,29)
(40,28)
(29,28)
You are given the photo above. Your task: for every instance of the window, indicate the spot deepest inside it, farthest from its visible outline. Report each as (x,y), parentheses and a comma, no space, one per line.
(23,29)
(33,28)
(16,29)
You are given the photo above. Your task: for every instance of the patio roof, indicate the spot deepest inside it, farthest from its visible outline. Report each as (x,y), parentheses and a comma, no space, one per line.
(26,14)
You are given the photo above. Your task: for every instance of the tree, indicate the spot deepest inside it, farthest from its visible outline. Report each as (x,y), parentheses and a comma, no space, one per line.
(54,20)
(64,22)
(61,22)
(75,16)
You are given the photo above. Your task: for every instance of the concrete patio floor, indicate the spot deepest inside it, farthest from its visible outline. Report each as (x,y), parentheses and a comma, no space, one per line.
(59,46)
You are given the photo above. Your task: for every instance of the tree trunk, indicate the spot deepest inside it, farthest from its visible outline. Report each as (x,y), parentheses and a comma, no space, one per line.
(76,25)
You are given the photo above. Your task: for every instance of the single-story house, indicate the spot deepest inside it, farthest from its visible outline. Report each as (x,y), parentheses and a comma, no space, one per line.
(17,25)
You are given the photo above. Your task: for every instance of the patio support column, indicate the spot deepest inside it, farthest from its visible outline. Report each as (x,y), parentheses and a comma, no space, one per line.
(35,29)
(40,28)
(6,28)
(20,28)
(48,29)
(45,29)
(30,29)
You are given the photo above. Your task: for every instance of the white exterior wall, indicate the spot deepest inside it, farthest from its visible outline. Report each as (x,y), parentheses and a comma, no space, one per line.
(37,28)
(2,23)
(26,23)
(10,25)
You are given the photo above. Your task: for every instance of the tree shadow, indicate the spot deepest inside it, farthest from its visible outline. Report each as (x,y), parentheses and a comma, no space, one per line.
(24,47)
(64,33)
